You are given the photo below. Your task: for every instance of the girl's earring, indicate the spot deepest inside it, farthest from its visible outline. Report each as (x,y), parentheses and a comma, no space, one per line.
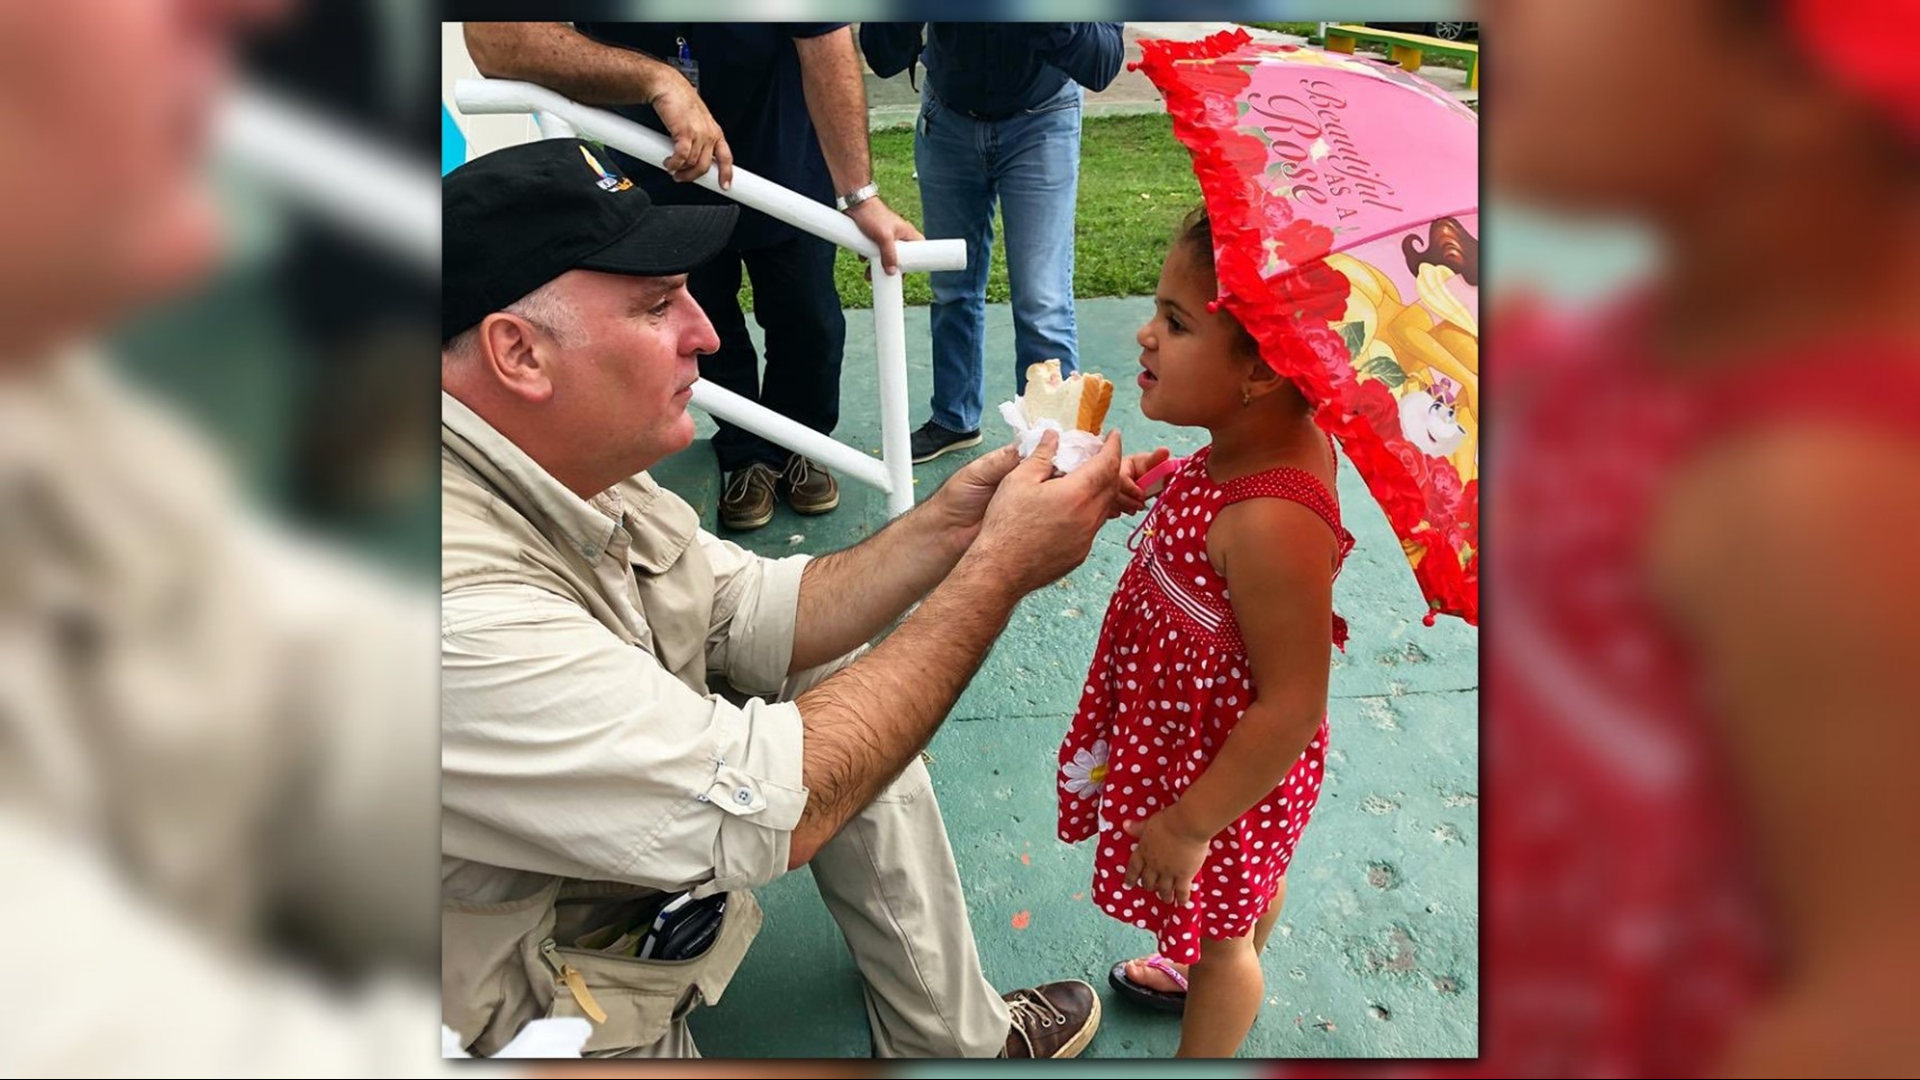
(1246,398)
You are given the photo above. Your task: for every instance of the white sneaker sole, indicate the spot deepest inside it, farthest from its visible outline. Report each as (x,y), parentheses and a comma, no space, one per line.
(1079,1042)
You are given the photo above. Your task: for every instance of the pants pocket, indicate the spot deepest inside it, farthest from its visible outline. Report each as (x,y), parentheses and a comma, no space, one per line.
(639,1001)
(482,996)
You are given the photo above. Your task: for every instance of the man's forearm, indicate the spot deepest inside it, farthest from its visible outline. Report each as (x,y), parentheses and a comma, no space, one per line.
(837,103)
(848,597)
(558,57)
(865,724)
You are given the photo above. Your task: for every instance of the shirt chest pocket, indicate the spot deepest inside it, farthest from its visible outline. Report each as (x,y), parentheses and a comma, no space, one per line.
(675,619)
(673,589)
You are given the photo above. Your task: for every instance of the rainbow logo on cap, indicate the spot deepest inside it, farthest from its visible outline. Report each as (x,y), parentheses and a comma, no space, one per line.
(609,181)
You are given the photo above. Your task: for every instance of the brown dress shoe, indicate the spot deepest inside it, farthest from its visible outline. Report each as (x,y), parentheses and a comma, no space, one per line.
(747,502)
(808,487)
(1052,1021)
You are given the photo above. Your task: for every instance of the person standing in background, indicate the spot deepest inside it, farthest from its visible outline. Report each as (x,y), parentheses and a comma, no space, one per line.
(360,455)
(787,102)
(999,121)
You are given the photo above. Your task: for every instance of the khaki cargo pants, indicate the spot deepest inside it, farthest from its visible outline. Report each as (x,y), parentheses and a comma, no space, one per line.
(890,882)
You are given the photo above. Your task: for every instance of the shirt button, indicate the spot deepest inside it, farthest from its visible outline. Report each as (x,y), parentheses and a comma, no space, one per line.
(742,796)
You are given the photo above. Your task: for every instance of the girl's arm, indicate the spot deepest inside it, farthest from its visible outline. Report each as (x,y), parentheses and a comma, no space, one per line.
(1789,557)
(1277,558)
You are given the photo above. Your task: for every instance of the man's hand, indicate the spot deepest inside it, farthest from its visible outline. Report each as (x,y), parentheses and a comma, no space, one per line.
(1128,496)
(697,139)
(964,497)
(885,228)
(1037,528)
(559,57)
(830,73)
(1168,856)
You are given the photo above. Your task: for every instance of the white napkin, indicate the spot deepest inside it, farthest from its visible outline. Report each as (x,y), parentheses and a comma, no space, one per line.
(558,1037)
(1075,448)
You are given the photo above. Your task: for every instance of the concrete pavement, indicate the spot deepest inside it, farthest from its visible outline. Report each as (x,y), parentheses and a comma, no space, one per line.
(1377,952)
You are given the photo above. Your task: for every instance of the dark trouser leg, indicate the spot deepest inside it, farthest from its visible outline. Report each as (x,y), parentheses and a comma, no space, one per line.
(736,367)
(796,303)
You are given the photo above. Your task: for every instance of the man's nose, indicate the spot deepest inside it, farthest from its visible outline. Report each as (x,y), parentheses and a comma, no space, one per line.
(705,340)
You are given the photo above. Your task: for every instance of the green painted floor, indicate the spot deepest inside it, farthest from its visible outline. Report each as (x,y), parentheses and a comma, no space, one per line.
(1377,952)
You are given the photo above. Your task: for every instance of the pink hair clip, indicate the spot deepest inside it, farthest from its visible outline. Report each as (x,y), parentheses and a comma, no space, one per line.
(1213,306)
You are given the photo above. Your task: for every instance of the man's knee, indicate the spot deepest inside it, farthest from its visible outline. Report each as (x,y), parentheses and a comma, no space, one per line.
(914,785)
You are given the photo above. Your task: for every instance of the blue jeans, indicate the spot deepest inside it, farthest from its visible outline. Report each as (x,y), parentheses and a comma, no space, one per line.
(1030,164)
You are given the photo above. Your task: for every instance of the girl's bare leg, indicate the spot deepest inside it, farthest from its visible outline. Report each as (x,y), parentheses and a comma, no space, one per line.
(1263,929)
(1155,979)
(1223,998)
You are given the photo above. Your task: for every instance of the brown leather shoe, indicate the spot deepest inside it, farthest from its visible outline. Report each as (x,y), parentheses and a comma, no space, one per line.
(747,502)
(808,487)
(1052,1021)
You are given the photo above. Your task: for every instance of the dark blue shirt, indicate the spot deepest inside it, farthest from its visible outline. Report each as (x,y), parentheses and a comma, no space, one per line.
(750,82)
(992,70)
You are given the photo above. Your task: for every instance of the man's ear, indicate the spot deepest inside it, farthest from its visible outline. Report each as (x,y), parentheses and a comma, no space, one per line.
(517,356)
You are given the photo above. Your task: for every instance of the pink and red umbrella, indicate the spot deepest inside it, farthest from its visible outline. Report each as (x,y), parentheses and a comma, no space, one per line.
(1344,201)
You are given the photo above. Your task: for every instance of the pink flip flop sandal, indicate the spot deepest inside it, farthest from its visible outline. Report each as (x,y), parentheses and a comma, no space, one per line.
(1159,1000)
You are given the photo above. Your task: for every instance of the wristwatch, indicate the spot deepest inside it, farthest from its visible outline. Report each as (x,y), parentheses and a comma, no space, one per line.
(848,202)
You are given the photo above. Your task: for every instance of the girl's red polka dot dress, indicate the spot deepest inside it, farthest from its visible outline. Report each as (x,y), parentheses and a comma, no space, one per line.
(1169,681)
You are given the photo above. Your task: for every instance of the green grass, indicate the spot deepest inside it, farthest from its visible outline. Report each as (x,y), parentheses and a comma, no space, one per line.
(1136,183)
(1297,29)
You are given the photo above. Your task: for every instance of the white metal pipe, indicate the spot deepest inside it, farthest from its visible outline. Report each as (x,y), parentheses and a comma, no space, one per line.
(749,189)
(924,255)
(336,172)
(552,127)
(478,96)
(890,346)
(791,434)
(894,473)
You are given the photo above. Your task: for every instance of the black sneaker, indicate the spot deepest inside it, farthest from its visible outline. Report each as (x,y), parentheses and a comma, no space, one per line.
(932,440)
(747,502)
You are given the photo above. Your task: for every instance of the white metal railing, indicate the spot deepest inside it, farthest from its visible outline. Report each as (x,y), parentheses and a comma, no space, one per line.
(893,473)
(337,172)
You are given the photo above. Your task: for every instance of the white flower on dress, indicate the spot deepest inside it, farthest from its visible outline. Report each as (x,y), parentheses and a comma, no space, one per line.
(1087,771)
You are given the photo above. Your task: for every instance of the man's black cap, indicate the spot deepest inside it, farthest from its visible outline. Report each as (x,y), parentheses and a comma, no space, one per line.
(517,218)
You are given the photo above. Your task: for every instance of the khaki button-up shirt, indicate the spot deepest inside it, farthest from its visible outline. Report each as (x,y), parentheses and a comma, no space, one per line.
(209,726)
(580,737)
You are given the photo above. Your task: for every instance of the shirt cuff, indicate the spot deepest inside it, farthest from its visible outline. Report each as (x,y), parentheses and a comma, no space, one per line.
(758,788)
(761,649)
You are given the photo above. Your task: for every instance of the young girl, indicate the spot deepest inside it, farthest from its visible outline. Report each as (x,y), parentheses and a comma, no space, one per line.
(1197,752)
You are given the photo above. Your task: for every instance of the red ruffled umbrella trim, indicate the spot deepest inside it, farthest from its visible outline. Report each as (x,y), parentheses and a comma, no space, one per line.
(1437,521)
